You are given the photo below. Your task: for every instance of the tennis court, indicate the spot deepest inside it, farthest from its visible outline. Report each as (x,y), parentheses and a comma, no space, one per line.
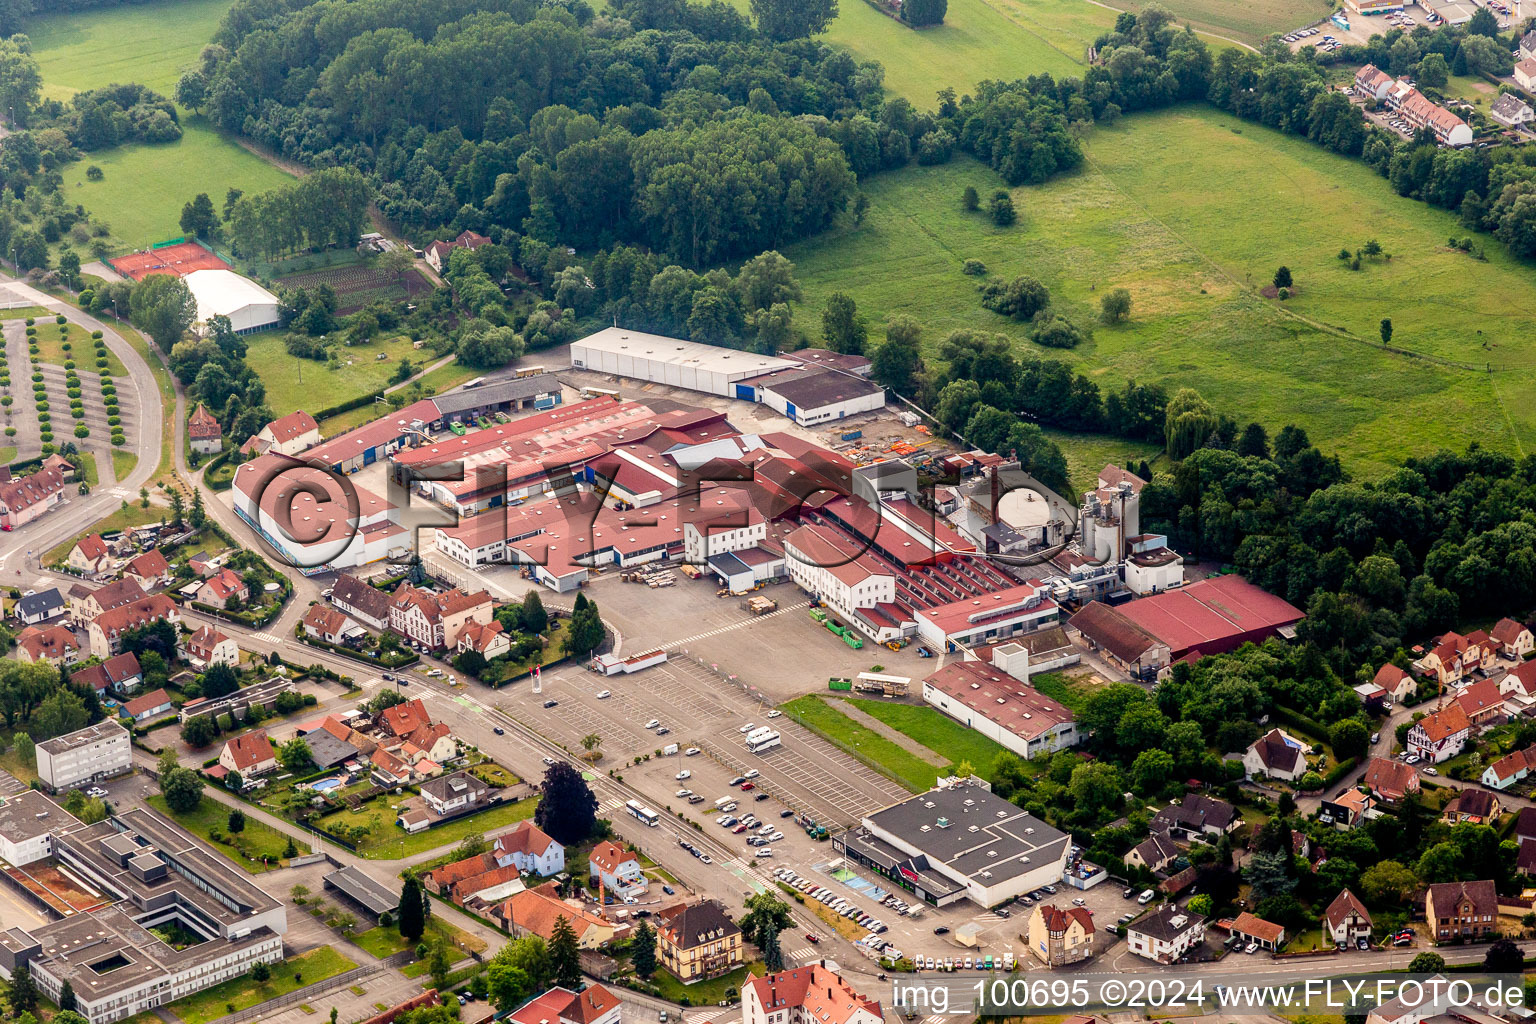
(179,258)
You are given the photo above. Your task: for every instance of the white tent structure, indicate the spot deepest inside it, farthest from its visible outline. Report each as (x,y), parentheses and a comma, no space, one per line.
(249,306)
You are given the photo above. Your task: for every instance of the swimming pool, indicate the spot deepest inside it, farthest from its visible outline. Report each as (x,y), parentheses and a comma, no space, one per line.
(324,784)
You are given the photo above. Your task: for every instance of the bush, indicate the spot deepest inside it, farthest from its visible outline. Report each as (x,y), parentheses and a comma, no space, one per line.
(101,362)
(67,347)
(113,421)
(82,431)
(96,334)
(61,319)
(31,330)
(74,394)
(108,390)
(46,436)
(44,417)
(975,268)
(30,322)
(118,440)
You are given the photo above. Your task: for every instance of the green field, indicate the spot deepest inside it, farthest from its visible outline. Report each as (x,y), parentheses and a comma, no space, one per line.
(1248,22)
(936,731)
(50,344)
(239,993)
(1192,210)
(150,43)
(143,188)
(869,746)
(293,382)
(246,848)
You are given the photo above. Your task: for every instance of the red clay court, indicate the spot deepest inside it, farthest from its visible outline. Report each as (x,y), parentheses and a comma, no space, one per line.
(181,258)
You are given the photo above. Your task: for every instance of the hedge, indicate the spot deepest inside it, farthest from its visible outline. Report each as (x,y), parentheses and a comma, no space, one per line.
(349,405)
(1340,770)
(1314,729)
(393,662)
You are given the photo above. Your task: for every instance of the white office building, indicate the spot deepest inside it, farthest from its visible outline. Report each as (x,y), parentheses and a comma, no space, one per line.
(77,758)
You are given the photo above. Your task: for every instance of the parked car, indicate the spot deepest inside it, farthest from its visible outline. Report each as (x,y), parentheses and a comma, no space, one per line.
(604,694)
(551,703)
(498,730)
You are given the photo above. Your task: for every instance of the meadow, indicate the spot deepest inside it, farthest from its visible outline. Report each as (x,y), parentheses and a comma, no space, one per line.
(293,382)
(1248,22)
(143,188)
(1192,211)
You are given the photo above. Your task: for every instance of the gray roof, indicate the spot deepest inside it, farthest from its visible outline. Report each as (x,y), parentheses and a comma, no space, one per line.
(360,887)
(104,729)
(813,389)
(445,787)
(45,604)
(326,750)
(1160,923)
(364,598)
(1508,104)
(516,389)
(981,836)
(29,814)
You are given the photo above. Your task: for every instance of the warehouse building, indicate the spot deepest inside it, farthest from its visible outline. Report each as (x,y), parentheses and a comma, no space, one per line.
(956,842)
(86,755)
(148,873)
(249,306)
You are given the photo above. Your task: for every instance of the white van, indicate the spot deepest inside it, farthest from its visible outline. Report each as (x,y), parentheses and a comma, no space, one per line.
(1147,896)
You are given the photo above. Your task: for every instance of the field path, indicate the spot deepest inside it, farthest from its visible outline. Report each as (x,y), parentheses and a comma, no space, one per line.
(852,710)
(1198,32)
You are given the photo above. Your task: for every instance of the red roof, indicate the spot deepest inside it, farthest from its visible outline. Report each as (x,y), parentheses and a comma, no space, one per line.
(404,719)
(201,426)
(1209,613)
(24,492)
(1257,927)
(149,565)
(820,994)
(249,749)
(1446,722)
(149,702)
(140,613)
(92,546)
(108,673)
(294,425)
(52,643)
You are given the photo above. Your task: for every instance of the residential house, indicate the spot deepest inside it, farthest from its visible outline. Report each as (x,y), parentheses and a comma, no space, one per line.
(107,629)
(153,705)
(203,564)
(1398,684)
(1473,807)
(1510,768)
(697,941)
(1455,657)
(1277,755)
(1155,853)
(1197,817)
(1464,910)
(223,588)
(249,754)
(1483,703)
(813,994)
(204,435)
(1267,934)
(1518,686)
(1348,809)
(23,499)
(1346,920)
(388,770)
(450,796)
(1514,639)
(53,644)
(89,555)
(1390,780)
(616,869)
(120,674)
(529,849)
(40,607)
(85,604)
(434,620)
(209,647)
(434,742)
(403,719)
(1511,111)
(1440,736)
(1528,45)
(487,886)
(1525,826)
(1059,937)
(289,435)
(148,569)
(362,601)
(592,1005)
(1372,84)
(1525,75)
(1165,934)
(535,911)
(489,641)
(437,253)
(332,626)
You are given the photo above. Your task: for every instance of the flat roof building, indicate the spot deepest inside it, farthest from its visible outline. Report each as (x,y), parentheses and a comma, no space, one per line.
(154,873)
(372,896)
(83,756)
(673,361)
(249,306)
(958,841)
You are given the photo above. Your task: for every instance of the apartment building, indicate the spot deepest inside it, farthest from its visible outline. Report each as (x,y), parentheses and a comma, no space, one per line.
(84,756)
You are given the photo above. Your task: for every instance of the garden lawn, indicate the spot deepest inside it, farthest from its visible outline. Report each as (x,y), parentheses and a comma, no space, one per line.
(1087,454)
(7,454)
(148,43)
(239,993)
(123,518)
(1071,692)
(293,382)
(246,848)
(1192,210)
(143,187)
(123,463)
(936,731)
(88,473)
(388,841)
(827,721)
(82,349)
(702,993)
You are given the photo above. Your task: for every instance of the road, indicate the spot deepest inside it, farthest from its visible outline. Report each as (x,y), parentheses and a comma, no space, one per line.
(25,547)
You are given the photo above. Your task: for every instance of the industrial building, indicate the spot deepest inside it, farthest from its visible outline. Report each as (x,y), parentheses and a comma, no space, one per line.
(808,389)
(986,698)
(86,755)
(249,306)
(314,520)
(144,872)
(956,842)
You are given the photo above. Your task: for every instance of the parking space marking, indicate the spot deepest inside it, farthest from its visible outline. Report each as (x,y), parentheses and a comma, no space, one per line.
(735,625)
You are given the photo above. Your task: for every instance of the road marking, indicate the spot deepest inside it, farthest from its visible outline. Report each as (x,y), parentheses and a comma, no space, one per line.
(269,638)
(734,626)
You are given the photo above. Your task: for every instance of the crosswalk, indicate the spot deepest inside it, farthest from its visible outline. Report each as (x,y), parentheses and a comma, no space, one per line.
(733,626)
(804,953)
(269,638)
